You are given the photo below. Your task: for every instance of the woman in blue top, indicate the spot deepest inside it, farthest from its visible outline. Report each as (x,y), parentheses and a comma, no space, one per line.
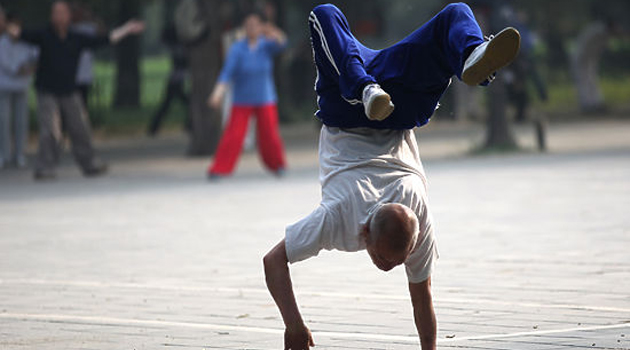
(249,70)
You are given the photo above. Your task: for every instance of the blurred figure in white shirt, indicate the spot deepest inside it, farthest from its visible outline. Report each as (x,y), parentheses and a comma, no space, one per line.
(17,64)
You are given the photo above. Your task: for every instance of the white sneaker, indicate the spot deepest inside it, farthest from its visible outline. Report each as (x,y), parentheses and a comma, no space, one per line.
(492,55)
(377,103)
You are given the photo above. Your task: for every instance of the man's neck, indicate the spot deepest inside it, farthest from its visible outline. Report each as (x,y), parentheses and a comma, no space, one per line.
(62,33)
(252,43)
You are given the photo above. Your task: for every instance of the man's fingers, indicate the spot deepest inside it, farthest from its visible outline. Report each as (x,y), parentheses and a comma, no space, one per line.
(298,344)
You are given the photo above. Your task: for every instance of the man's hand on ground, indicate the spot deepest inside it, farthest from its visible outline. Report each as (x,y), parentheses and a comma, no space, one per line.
(299,338)
(296,336)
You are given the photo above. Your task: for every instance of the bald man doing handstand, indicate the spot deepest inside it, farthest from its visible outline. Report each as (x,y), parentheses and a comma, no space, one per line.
(373,184)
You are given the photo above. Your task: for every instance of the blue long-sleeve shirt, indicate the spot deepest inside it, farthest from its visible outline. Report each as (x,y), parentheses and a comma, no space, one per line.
(250,72)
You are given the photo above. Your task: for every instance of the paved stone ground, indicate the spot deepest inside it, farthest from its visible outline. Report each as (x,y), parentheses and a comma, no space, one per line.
(534,252)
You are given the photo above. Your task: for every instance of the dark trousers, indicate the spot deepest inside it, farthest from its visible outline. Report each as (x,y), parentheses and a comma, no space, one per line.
(84,90)
(174,90)
(52,111)
(428,57)
(415,71)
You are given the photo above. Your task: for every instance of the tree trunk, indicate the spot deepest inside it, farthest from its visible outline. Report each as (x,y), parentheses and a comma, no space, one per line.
(199,24)
(499,133)
(127,59)
(206,122)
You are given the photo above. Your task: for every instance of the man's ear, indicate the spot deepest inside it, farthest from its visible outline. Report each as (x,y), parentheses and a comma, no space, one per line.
(365,231)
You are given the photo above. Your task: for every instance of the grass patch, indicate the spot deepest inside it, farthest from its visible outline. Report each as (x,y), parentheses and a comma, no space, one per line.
(153,77)
(154,73)
(134,121)
(563,95)
(616,90)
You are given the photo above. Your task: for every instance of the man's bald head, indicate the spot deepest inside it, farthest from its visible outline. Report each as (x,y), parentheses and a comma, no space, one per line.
(391,235)
(396,225)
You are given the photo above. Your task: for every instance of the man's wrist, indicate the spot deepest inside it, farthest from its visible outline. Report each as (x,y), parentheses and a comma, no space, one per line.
(117,35)
(295,324)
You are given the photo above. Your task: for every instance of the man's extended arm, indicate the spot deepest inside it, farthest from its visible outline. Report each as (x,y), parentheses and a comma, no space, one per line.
(131,27)
(296,335)
(423,313)
(33,37)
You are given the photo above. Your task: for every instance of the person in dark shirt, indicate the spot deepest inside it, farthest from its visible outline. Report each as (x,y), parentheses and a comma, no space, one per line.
(57,92)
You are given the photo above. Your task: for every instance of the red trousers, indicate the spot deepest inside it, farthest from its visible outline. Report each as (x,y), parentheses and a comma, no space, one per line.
(267,134)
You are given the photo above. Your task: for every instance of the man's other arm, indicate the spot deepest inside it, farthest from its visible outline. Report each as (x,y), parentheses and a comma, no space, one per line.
(423,313)
(33,37)
(278,278)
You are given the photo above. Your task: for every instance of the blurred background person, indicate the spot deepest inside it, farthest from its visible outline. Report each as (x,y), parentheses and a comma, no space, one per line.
(176,85)
(525,68)
(57,93)
(249,70)
(200,24)
(83,22)
(467,99)
(585,59)
(17,64)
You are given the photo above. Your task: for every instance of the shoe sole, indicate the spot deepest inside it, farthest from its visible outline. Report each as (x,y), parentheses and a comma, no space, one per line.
(381,107)
(501,51)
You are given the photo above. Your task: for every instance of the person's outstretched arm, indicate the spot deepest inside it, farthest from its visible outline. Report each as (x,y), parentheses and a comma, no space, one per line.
(131,27)
(423,313)
(35,37)
(215,100)
(276,34)
(278,278)
(32,37)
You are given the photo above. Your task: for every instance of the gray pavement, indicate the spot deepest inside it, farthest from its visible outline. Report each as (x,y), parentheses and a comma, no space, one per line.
(534,251)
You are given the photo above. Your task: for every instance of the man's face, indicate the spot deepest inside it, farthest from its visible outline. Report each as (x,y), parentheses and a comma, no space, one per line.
(381,254)
(60,15)
(253,27)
